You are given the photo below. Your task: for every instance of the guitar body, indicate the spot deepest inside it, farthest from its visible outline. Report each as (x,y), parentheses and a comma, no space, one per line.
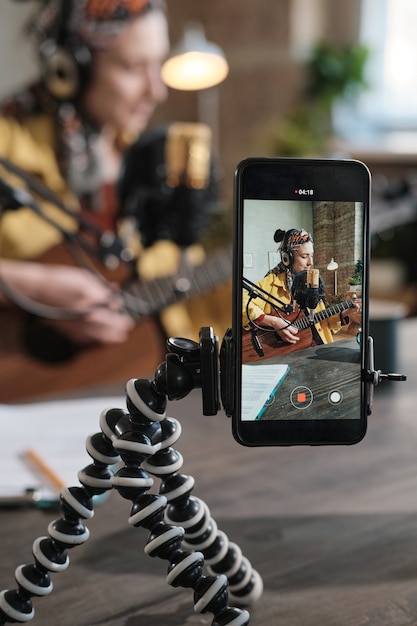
(23,377)
(26,377)
(272,344)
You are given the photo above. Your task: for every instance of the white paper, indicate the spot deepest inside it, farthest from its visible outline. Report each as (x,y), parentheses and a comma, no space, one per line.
(56,431)
(259,382)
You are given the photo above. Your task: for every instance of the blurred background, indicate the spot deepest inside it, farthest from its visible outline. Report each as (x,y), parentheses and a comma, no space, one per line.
(306,78)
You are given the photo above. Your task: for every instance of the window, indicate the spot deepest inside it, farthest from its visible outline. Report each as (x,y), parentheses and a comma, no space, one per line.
(388,29)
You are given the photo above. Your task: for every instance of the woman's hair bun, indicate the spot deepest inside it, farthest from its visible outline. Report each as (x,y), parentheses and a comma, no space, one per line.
(279,235)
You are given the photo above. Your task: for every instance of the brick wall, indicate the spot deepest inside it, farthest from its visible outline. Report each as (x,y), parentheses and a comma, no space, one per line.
(337,232)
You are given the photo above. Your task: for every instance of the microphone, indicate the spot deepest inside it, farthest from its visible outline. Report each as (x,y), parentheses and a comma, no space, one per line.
(169,184)
(308,290)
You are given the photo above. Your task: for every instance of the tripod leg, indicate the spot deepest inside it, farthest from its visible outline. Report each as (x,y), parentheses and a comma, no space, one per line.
(142,438)
(201,532)
(51,552)
(137,439)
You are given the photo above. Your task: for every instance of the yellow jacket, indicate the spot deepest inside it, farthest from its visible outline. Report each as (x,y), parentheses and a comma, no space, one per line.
(30,146)
(276,285)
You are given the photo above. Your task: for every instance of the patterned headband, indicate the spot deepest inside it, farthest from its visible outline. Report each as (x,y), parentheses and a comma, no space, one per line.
(297,238)
(111,9)
(93,21)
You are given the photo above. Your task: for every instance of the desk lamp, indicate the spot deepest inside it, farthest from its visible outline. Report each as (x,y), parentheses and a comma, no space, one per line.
(195,63)
(332,267)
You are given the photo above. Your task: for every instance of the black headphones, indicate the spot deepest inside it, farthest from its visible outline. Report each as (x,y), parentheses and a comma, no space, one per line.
(65,60)
(287,256)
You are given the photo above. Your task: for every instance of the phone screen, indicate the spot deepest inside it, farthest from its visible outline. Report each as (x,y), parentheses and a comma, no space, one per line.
(300,301)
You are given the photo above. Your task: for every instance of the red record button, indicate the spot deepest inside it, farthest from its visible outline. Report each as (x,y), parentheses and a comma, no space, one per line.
(301,397)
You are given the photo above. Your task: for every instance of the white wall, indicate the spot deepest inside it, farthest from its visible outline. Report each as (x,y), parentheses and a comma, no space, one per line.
(262,218)
(17,59)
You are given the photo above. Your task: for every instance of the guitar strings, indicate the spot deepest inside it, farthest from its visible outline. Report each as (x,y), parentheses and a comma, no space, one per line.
(133,303)
(40,309)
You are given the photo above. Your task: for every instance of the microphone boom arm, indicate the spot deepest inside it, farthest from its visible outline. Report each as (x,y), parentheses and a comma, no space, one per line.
(109,249)
(257,292)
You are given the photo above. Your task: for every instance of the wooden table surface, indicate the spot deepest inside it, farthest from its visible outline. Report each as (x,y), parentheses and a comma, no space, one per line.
(315,366)
(333,531)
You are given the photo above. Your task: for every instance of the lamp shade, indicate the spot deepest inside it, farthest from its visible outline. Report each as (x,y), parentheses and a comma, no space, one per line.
(195,63)
(332,266)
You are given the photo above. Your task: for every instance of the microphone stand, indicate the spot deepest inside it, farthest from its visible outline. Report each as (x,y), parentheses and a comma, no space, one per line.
(257,292)
(109,249)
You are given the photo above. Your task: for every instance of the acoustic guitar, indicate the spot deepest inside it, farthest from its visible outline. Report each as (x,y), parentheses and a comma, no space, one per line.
(23,376)
(264,343)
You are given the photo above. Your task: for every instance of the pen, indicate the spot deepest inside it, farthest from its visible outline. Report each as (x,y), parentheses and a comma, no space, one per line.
(30,498)
(43,470)
(49,479)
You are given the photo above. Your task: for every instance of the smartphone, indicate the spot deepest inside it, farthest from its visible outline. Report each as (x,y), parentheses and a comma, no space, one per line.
(300,301)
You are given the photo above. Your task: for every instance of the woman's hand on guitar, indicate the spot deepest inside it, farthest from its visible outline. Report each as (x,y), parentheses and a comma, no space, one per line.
(74,290)
(286,331)
(356,304)
(353,314)
(100,325)
(77,289)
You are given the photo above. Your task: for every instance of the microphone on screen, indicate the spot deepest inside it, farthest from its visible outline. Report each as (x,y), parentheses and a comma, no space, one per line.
(308,290)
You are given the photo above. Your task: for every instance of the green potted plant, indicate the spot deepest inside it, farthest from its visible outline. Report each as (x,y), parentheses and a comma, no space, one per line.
(355,281)
(333,74)
(336,72)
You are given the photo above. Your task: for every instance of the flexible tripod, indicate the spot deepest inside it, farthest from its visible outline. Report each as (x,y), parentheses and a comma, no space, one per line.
(181,529)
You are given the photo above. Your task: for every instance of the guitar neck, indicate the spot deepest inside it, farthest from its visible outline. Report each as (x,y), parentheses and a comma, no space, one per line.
(305,322)
(150,297)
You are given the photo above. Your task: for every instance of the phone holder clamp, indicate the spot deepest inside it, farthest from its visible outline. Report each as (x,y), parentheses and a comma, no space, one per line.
(374,377)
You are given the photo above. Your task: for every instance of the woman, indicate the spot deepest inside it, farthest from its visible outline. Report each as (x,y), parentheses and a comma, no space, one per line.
(297,251)
(71,130)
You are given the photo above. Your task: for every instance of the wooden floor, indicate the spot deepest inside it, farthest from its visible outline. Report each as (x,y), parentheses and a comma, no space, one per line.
(333,531)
